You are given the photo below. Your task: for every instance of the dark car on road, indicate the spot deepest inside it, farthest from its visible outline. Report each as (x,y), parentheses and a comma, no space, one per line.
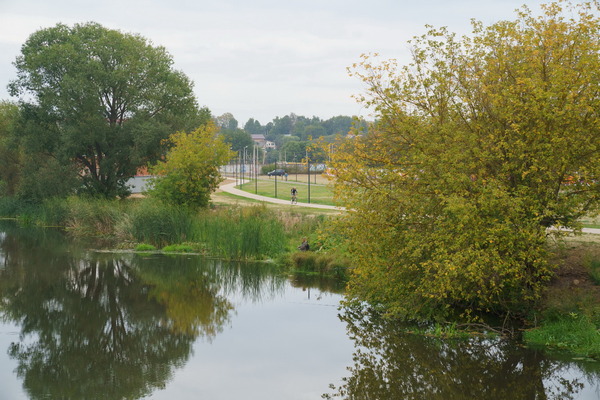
(276,172)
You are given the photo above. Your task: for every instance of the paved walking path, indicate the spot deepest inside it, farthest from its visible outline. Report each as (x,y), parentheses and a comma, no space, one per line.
(595,231)
(230,188)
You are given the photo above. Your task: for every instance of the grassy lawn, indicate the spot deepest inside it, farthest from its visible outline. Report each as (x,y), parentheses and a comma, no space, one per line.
(320,193)
(591,222)
(224,199)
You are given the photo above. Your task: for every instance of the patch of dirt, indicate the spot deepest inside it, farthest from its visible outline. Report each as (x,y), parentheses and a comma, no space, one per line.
(572,282)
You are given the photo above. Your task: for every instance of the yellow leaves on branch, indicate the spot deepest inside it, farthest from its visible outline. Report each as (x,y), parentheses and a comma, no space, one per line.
(190,171)
(454,186)
(197,150)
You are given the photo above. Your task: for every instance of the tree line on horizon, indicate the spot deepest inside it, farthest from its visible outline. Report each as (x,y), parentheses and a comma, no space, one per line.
(292,134)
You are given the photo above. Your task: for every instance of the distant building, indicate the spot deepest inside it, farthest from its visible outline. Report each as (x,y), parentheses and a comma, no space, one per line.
(262,142)
(259,139)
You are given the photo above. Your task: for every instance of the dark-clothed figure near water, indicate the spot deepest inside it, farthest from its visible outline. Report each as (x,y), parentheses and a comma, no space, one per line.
(304,246)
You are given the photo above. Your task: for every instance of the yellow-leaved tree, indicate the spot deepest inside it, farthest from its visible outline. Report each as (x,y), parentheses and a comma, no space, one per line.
(190,171)
(481,144)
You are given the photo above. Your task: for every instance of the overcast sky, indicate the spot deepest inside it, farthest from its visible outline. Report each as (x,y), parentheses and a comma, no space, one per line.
(259,58)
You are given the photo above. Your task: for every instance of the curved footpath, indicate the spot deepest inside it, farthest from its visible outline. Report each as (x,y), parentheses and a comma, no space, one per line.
(230,188)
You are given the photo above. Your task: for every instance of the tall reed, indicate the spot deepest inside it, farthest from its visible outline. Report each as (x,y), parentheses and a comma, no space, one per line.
(241,233)
(11,207)
(53,212)
(93,216)
(160,224)
(234,232)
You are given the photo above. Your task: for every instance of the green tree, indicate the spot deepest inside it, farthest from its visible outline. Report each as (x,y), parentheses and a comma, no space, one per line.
(253,127)
(295,150)
(282,126)
(339,125)
(190,171)
(102,101)
(452,191)
(226,121)
(10,152)
(271,156)
(237,139)
(42,172)
(314,131)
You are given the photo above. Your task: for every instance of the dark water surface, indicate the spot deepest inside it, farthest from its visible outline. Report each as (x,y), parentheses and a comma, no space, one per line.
(80,324)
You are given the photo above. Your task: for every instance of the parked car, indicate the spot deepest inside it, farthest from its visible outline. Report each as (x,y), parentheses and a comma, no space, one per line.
(276,172)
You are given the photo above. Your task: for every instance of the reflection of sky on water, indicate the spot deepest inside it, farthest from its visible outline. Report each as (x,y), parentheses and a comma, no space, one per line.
(590,391)
(12,388)
(290,347)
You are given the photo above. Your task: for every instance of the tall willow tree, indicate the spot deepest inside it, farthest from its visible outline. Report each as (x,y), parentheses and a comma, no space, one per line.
(481,145)
(100,100)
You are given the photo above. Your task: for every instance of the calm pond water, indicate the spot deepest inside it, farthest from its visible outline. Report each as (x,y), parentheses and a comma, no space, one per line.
(80,324)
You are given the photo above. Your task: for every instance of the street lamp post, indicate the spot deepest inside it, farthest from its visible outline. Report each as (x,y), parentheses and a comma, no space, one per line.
(308,165)
(234,162)
(296,167)
(237,167)
(255,156)
(243,163)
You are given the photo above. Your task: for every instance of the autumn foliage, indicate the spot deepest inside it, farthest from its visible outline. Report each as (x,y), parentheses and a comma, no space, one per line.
(190,171)
(453,191)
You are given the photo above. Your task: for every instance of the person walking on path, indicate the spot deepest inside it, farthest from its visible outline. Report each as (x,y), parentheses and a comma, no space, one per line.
(294,195)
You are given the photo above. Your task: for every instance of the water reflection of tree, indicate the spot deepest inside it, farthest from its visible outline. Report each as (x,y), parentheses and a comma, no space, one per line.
(94,328)
(191,297)
(252,281)
(320,282)
(394,365)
